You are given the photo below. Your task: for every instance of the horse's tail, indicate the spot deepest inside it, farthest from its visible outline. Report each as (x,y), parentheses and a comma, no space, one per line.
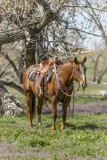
(33,105)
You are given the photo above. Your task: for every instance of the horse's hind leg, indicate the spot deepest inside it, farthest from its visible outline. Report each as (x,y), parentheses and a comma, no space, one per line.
(64,111)
(39,110)
(54,112)
(30,107)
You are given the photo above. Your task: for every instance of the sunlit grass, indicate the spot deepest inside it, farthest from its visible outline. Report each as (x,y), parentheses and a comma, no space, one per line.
(85,136)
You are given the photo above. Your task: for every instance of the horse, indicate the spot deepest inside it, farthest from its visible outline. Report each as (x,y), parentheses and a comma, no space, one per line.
(59,89)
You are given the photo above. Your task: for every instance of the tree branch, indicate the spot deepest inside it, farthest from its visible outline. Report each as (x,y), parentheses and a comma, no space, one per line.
(80,30)
(12,63)
(33,28)
(13,85)
(11,36)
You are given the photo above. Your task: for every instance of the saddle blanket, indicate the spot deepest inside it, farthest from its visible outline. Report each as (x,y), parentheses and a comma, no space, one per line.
(32,75)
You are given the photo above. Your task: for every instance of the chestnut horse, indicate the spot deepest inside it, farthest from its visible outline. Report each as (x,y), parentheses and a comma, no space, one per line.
(59,88)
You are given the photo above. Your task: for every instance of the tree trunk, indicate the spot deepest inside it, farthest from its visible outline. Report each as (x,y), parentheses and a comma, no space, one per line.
(9,105)
(95,68)
(21,66)
(101,75)
(30,53)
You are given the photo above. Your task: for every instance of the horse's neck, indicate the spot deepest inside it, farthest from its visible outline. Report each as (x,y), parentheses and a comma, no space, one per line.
(67,74)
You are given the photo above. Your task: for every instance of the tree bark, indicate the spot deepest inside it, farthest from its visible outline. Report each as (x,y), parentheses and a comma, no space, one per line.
(11,36)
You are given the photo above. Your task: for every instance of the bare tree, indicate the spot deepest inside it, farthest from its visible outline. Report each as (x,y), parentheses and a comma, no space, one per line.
(24,25)
(99,65)
(95,69)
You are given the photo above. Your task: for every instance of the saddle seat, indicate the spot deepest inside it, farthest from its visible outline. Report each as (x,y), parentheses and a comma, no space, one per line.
(44,66)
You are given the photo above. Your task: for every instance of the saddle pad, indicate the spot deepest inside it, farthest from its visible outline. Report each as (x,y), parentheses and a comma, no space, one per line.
(32,75)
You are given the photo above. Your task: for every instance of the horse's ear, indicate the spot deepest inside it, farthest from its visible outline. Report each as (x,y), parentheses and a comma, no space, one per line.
(84,60)
(75,60)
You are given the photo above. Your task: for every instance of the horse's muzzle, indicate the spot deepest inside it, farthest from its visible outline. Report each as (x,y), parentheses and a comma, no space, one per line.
(83,85)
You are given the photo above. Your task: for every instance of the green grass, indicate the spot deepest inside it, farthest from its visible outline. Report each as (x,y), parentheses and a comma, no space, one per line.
(88,99)
(85,136)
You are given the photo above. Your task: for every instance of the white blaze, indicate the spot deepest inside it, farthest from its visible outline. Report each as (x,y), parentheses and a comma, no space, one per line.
(83,75)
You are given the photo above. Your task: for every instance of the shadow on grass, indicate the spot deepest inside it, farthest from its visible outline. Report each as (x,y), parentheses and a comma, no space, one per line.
(83,127)
(49,125)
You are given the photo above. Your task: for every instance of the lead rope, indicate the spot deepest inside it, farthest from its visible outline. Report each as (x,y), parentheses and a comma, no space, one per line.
(73,104)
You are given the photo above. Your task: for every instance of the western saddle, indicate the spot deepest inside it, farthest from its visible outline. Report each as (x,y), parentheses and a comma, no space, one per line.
(43,73)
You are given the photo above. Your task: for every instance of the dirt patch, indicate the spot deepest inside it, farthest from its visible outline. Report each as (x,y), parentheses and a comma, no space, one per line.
(9,151)
(90,108)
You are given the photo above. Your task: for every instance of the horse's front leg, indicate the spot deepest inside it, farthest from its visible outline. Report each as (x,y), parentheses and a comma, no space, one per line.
(54,112)
(39,110)
(64,111)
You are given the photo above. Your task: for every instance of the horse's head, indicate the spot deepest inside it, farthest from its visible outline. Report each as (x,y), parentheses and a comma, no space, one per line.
(80,72)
